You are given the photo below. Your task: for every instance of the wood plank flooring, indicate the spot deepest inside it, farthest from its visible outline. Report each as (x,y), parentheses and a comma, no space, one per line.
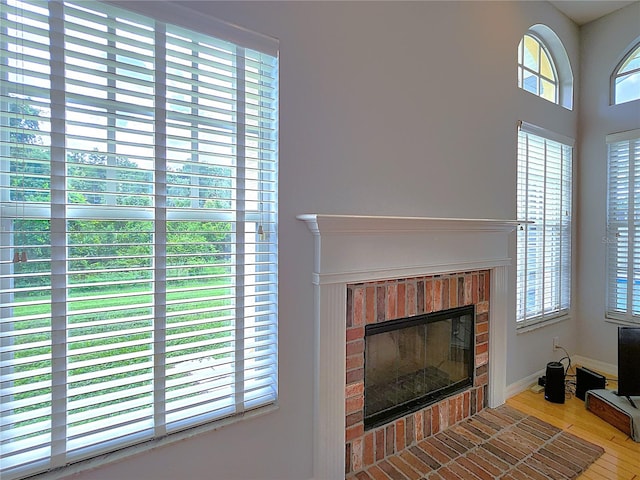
(621,460)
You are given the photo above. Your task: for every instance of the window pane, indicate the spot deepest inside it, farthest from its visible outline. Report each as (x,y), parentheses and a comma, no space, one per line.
(530,83)
(627,88)
(531,53)
(545,66)
(548,90)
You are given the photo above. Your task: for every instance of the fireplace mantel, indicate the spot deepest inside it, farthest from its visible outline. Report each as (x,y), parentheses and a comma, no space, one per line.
(359,248)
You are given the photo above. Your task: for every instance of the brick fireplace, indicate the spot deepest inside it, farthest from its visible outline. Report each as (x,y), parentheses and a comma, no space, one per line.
(382,301)
(408,263)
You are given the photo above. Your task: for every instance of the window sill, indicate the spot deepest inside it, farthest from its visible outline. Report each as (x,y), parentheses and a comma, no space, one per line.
(622,321)
(113,457)
(542,323)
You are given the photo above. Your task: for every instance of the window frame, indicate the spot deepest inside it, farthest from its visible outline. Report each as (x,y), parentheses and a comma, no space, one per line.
(244,39)
(617,74)
(558,280)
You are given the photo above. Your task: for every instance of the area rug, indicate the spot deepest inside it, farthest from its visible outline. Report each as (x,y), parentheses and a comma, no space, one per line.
(501,443)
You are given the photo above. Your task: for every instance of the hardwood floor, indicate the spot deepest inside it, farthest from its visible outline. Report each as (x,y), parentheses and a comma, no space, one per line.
(621,459)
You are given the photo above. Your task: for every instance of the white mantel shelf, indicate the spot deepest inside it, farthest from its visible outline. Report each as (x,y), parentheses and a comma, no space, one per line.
(322,223)
(360,248)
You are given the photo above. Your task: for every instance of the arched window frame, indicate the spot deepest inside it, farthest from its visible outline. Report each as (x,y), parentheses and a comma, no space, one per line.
(559,59)
(627,68)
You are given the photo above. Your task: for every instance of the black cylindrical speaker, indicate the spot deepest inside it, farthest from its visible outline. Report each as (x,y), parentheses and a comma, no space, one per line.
(554,383)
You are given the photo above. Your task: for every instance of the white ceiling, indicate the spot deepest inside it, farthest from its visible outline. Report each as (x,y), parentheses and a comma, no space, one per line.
(585,11)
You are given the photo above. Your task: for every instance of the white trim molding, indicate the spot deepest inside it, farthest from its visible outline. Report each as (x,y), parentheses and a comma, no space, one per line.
(357,248)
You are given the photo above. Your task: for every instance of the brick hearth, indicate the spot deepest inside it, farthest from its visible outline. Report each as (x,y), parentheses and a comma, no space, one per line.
(376,302)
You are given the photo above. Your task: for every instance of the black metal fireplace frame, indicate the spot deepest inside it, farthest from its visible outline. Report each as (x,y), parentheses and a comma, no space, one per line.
(397,411)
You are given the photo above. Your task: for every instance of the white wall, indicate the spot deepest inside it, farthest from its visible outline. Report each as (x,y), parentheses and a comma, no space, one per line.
(604,44)
(387,108)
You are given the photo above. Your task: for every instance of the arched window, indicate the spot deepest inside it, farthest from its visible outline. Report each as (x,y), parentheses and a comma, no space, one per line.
(543,66)
(625,81)
(536,71)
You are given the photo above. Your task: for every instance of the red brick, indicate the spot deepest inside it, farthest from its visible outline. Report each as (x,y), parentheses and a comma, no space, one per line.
(468,287)
(418,423)
(356,455)
(482,307)
(404,467)
(401,301)
(451,406)
(363,475)
(368,450)
(354,432)
(390,437)
(437,295)
(380,446)
(358,306)
(435,419)
(354,376)
(354,404)
(447,474)
(354,362)
(411,299)
(353,419)
(438,455)
(426,413)
(487,287)
(415,462)
(355,333)
(445,293)
(355,347)
(428,296)
(377,474)
(400,435)
(453,292)
(409,430)
(465,404)
(461,472)
(490,463)
(391,471)
(392,297)
(475,469)
(370,305)
(425,458)
(354,389)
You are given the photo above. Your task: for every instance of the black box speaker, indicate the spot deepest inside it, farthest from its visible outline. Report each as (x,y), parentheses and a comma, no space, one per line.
(588,380)
(554,384)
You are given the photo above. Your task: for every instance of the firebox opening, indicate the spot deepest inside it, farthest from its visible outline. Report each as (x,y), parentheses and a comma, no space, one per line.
(415,361)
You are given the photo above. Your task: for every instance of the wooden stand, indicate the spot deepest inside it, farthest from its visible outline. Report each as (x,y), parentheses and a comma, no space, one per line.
(618,418)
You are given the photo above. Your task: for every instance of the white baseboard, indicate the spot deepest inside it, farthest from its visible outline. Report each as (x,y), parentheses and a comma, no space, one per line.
(602,367)
(521,385)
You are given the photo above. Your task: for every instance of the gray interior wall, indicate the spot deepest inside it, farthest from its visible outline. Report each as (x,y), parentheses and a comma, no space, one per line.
(603,44)
(387,108)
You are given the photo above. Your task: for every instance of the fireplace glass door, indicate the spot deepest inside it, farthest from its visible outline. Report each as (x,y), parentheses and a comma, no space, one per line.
(412,362)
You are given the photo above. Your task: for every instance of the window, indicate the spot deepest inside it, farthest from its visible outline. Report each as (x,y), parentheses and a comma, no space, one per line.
(543,289)
(626,79)
(536,71)
(138,210)
(623,218)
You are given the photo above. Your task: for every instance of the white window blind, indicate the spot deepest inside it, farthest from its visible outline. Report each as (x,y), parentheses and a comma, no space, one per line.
(623,222)
(138,210)
(544,182)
